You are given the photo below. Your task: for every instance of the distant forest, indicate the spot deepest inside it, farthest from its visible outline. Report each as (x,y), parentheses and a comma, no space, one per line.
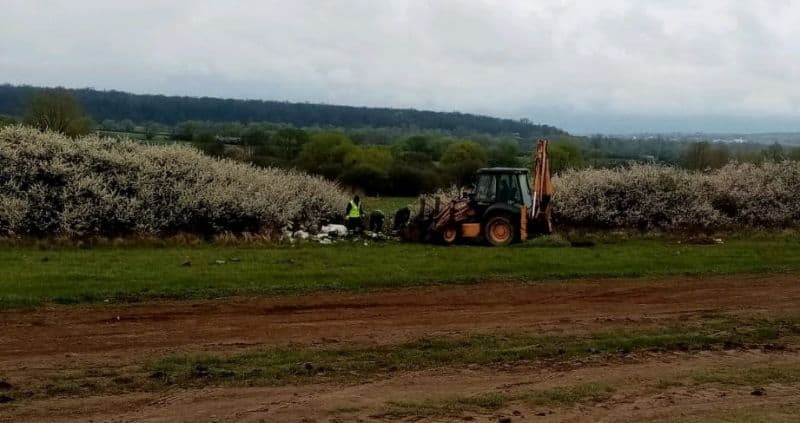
(168,110)
(379,151)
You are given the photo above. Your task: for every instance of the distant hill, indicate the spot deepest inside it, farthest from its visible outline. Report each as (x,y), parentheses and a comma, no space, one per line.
(170,110)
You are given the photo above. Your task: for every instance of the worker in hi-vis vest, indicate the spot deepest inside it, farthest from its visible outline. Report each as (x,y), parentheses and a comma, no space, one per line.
(354,212)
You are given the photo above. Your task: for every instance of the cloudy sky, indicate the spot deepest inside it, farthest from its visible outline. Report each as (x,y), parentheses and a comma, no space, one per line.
(587,66)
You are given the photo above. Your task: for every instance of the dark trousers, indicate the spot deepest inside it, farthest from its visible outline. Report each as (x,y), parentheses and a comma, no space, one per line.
(354,224)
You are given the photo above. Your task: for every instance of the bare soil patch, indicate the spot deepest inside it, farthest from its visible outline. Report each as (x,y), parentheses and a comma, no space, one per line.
(636,395)
(85,336)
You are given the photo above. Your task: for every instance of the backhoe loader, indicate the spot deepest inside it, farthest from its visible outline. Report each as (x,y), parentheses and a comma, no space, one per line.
(507,205)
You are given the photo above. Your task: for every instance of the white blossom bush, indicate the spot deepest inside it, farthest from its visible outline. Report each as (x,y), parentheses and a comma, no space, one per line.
(758,195)
(651,196)
(51,184)
(445,196)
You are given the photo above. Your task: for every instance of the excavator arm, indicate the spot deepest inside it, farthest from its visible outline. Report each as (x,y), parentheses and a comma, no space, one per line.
(542,186)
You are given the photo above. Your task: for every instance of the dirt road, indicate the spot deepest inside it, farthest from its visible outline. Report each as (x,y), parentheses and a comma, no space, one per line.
(79,337)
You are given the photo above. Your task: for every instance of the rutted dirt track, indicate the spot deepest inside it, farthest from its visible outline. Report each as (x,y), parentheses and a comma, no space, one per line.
(383,317)
(78,337)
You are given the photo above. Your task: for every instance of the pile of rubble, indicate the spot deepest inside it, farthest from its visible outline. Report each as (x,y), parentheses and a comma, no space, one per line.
(329,234)
(372,228)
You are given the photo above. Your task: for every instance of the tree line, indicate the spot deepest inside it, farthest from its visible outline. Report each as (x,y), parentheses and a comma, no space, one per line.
(415,164)
(405,167)
(607,152)
(391,160)
(171,110)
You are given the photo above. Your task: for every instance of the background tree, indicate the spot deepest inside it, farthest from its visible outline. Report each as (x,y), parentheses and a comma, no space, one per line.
(184,131)
(720,155)
(413,173)
(425,145)
(698,156)
(256,136)
(325,154)
(102,105)
(57,110)
(7,120)
(705,155)
(505,154)
(209,144)
(127,125)
(775,153)
(563,155)
(150,130)
(462,159)
(368,168)
(286,143)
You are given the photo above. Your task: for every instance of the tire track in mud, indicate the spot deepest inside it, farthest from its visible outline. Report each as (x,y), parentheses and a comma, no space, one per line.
(635,396)
(69,335)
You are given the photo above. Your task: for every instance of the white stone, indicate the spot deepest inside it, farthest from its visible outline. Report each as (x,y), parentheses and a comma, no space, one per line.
(340,230)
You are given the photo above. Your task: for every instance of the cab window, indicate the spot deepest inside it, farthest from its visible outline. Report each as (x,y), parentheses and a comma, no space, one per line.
(525,189)
(485,190)
(508,189)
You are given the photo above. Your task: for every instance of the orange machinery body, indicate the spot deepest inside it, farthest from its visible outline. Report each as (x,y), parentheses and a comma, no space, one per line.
(509,205)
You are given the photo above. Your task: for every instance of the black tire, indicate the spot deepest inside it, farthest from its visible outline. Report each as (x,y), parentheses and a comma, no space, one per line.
(499,231)
(449,235)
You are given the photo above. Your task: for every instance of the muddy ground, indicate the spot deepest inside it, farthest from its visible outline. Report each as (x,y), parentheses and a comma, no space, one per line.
(80,338)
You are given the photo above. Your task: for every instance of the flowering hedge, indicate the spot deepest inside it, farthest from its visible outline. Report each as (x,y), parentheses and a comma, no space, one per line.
(51,184)
(660,197)
(650,196)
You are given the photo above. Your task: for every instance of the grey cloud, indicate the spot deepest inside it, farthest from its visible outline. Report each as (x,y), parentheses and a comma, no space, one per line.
(588,66)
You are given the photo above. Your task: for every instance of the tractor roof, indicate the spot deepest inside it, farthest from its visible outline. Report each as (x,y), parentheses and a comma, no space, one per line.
(503,170)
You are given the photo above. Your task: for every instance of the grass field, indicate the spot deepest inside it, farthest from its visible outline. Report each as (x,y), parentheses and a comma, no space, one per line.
(388,205)
(71,275)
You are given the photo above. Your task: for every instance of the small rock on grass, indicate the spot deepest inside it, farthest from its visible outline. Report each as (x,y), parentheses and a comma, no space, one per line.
(186,263)
(759,392)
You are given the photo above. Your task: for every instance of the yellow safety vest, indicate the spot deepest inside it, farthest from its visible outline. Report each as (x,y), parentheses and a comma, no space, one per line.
(355,210)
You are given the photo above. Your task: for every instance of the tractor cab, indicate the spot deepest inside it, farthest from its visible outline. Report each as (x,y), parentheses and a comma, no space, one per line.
(503,185)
